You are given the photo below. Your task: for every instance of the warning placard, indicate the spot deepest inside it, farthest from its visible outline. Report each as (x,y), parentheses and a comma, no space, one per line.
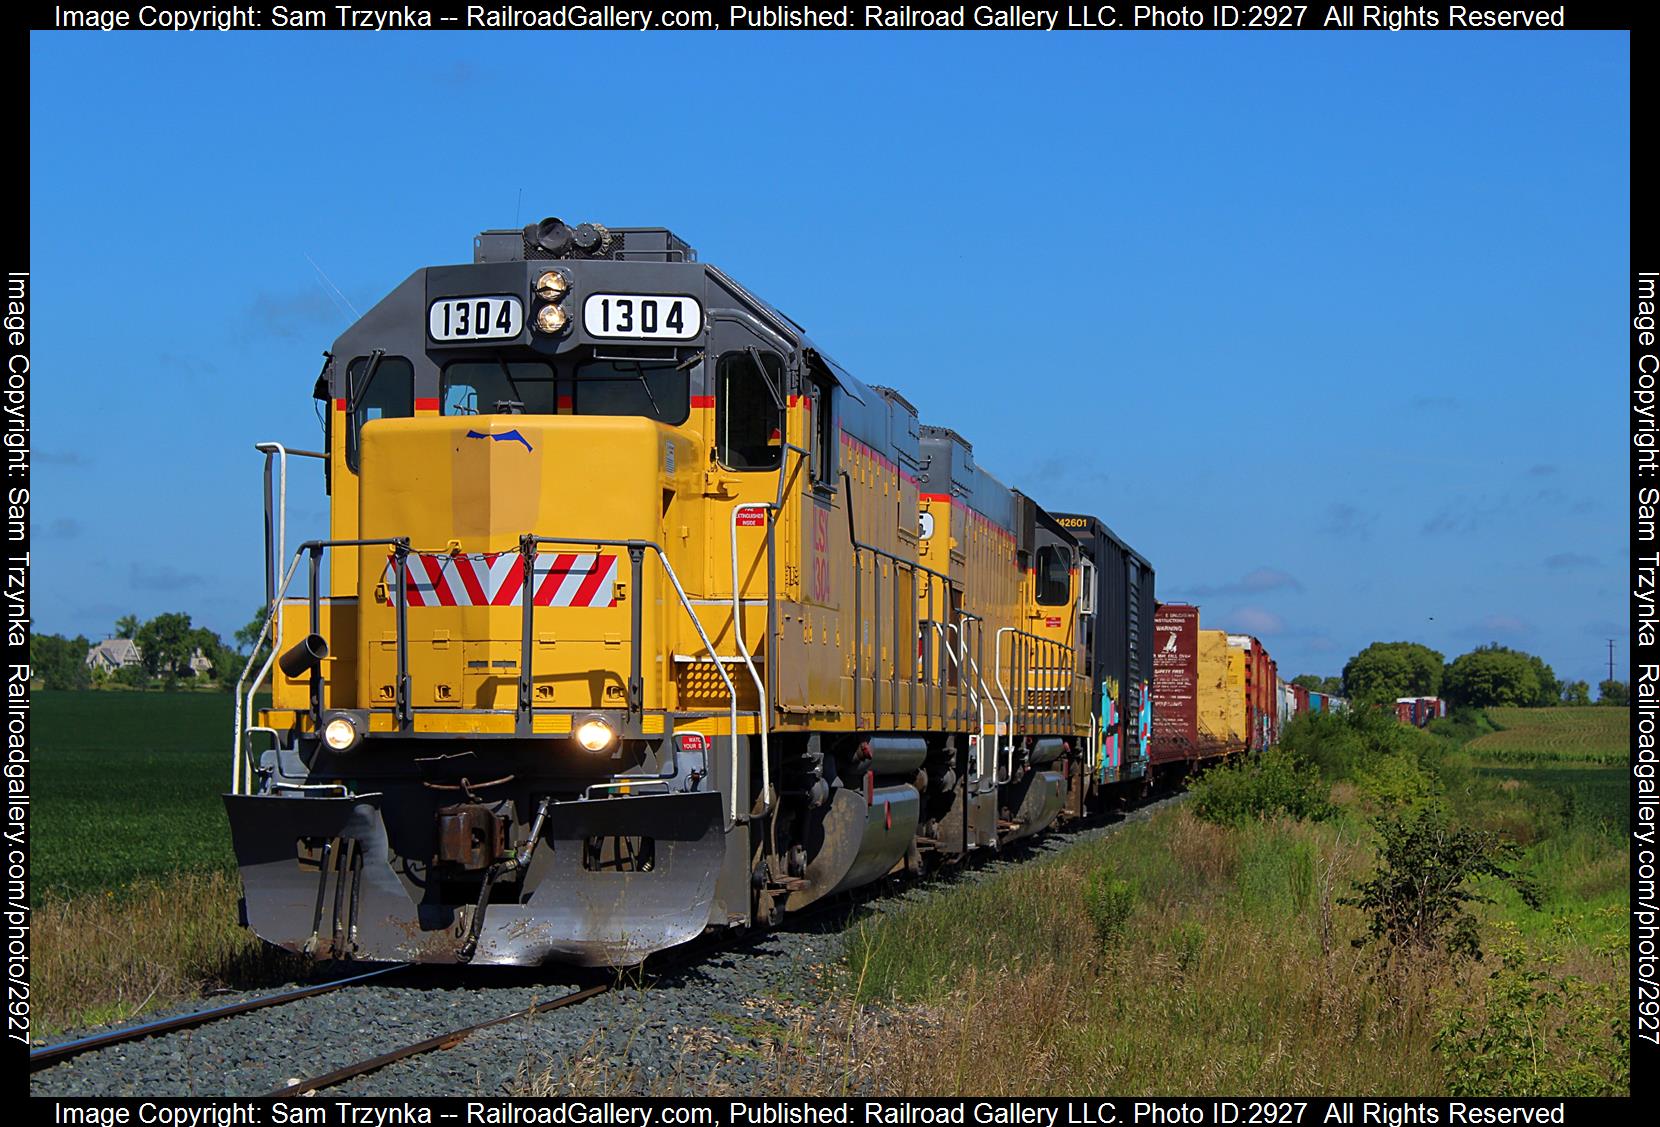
(1175,678)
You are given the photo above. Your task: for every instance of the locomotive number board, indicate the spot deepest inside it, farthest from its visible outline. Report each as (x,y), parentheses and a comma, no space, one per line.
(475,318)
(642,316)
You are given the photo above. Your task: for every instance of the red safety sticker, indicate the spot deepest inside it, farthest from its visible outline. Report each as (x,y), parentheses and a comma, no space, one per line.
(1052,622)
(752,518)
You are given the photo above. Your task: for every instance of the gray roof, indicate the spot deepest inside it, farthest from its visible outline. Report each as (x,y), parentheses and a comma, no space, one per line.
(114,651)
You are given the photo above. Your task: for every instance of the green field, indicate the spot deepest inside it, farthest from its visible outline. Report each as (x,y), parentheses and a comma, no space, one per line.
(1588,735)
(126,787)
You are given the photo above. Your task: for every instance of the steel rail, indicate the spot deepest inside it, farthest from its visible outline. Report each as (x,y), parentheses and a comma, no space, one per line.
(441,1041)
(48,1055)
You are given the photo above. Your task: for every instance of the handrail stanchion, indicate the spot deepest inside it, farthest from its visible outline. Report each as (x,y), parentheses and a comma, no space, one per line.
(858,633)
(763,713)
(962,679)
(876,645)
(525,721)
(636,612)
(893,700)
(400,549)
(930,670)
(314,610)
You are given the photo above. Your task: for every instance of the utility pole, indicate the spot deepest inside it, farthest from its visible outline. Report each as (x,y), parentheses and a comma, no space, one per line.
(1610,659)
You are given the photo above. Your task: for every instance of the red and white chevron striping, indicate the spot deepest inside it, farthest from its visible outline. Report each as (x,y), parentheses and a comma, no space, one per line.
(564,579)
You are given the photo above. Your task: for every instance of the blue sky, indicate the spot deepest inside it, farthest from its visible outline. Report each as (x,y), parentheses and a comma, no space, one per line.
(1330,326)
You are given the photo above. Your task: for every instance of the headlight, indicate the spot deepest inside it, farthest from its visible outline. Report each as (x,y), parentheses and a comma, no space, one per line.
(340,733)
(552,286)
(551,319)
(595,735)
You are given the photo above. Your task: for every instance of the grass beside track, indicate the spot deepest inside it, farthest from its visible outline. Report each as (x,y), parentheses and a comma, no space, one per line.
(1231,968)
(105,960)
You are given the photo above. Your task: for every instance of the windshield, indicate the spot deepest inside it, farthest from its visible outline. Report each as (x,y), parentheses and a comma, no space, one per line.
(487,387)
(655,388)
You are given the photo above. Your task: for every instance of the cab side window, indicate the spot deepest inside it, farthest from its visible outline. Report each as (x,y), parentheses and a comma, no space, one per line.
(823,429)
(377,390)
(1054,576)
(748,421)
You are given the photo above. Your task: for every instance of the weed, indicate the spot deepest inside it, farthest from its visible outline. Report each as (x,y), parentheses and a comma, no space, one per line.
(1108,899)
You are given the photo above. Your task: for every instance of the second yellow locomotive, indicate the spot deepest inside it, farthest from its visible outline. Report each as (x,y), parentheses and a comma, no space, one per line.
(638,615)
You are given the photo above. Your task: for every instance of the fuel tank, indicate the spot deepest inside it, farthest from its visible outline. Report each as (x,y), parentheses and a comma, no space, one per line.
(857,840)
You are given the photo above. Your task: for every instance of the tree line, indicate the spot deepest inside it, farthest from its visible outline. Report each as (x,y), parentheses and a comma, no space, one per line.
(1487,677)
(167,645)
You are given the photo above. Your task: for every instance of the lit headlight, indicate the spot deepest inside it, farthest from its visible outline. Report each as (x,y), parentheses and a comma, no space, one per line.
(551,319)
(340,733)
(552,286)
(595,735)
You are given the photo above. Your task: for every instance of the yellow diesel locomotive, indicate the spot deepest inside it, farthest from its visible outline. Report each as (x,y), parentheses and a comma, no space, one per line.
(638,616)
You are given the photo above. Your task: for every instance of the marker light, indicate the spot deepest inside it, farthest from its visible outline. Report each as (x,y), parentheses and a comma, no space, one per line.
(340,734)
(552,286)
(551,319)
(595,735)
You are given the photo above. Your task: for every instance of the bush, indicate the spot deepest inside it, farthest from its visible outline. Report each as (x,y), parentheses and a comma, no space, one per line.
(1108,901)
(132,676)
(1332,741)
(1417,897)
(1267,785)
(1350,745)
(1395,781)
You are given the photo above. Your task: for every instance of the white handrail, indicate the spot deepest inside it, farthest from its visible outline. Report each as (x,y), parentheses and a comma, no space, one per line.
(962,660)
(238,748)
(997,678)
(709,647)
(240,755)
(281,451)
(763,716)
(973,696)
(996,717)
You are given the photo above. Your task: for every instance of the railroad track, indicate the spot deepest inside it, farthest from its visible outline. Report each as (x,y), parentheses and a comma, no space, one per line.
(48,1055)
(662,966)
